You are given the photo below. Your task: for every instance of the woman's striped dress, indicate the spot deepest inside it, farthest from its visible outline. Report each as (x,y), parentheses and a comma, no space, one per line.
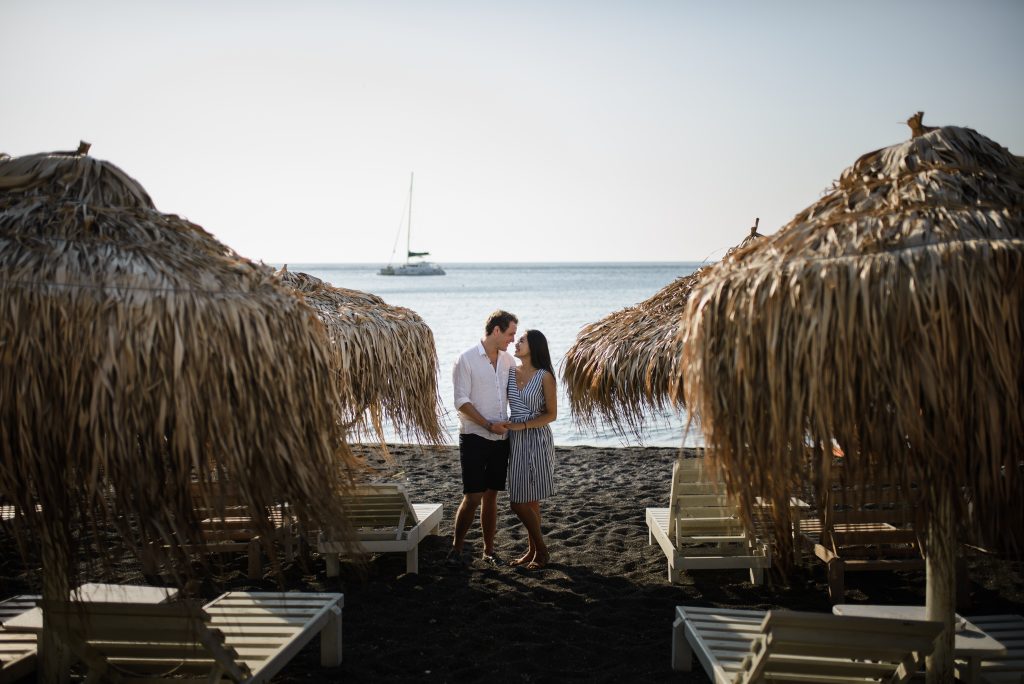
(531,461)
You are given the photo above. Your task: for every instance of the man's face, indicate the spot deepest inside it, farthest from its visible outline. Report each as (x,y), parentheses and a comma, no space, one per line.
(505,337)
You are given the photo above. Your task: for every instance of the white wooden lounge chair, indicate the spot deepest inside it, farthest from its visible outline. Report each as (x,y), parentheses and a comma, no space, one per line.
(385,521)
(17,649)
(701,530)
(861,528)
(228,526)
(22,619)
(1007,669)
(240,636)
(739,646)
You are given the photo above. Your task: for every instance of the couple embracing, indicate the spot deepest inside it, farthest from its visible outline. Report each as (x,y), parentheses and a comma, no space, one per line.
(495,445)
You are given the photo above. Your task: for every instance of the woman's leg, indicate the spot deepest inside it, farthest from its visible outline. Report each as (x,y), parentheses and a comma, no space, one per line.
(525,514)
(529,514)
(540,558)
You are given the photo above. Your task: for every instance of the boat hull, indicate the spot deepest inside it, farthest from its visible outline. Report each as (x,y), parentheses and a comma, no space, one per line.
(420,269)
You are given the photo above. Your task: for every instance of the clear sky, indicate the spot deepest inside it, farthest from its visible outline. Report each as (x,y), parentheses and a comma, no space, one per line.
(538,131)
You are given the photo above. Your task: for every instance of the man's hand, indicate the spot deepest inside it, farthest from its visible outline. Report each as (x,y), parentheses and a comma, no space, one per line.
(499,428)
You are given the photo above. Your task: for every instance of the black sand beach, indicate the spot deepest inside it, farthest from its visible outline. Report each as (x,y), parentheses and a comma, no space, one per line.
(601,611)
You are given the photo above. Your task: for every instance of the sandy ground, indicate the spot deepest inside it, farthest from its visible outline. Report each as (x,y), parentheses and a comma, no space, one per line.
(601,611)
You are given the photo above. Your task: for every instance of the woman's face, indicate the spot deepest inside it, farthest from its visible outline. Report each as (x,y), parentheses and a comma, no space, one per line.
(522,347)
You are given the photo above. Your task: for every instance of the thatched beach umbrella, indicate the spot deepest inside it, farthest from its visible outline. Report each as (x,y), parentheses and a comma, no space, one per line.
(383,359)
(619,368)
(137,351)
(888,317)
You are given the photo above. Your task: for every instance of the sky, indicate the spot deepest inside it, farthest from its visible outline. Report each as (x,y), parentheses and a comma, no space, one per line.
(537,131)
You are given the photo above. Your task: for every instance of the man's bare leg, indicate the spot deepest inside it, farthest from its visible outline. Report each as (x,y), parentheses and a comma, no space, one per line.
(464,519)
(489,519)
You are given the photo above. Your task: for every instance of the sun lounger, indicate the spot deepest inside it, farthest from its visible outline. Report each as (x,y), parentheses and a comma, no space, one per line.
(240,636)
(385,521)
(860,528)
(22,620)
(228,526)
(1008,630)
(17,650)
(758,646)
(700,530)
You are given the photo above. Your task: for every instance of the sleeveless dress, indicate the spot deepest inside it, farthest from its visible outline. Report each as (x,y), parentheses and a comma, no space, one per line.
(531,461)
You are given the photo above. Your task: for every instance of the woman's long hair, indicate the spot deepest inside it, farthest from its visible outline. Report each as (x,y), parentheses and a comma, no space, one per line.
(540,357)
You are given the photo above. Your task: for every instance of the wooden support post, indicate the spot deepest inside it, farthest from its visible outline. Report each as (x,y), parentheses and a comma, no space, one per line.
(330,639)
(836,580)
(54,657)
(940,593)
(682,654)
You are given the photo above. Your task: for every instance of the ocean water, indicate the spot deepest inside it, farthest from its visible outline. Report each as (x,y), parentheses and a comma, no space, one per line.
(556,298)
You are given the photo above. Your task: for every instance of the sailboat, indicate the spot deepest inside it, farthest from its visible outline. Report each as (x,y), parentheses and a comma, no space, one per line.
(418,267)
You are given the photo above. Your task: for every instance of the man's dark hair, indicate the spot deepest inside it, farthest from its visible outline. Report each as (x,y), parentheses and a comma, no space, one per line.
(499,318)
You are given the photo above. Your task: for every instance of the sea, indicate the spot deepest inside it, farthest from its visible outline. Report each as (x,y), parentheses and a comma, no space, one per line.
(558,299)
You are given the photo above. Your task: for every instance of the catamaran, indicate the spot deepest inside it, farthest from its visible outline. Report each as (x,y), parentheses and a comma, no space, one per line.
(414,264)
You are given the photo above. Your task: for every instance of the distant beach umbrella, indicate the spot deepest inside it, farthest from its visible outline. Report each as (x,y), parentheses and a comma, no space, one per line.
(888,317)
(383,360)
(619,369)
(135,352)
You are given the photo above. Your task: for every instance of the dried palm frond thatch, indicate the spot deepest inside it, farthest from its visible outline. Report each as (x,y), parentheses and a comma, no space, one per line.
(383,359)
(887,317)
(136,352)
(619,368)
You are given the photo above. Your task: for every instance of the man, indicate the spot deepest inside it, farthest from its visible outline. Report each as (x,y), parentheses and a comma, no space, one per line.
(480,377)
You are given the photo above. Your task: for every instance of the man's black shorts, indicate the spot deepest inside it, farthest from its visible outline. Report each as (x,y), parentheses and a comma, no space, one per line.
(484,463)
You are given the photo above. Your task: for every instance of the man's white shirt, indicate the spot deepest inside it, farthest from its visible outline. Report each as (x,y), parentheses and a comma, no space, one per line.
(485,386)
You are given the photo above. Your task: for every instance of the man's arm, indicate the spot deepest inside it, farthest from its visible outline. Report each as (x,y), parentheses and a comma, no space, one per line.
(470,412)
(461,382)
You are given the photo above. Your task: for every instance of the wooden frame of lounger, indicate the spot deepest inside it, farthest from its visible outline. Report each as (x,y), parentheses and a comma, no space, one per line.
(860,528)
(239,636)
(739,646)
(385,521)
(1007,669)
(228,527)
(17,649)
(700,530)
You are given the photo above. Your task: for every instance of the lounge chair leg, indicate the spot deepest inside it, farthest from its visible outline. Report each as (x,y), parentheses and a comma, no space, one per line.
(963,586)
(836,580)
(289,544)
(412,560)
(682,654)
(756,576)
(330,638)
(333,565)
(255,561)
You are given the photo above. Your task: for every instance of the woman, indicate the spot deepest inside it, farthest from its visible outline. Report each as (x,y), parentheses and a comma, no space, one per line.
(533,404)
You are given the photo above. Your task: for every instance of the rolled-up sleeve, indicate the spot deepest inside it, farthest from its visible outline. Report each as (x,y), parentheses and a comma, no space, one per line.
(461,381)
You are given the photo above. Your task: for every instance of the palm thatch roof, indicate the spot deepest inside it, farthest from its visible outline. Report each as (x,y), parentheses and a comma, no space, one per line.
(887,317)
(619,369)
(136,351)
(383,359)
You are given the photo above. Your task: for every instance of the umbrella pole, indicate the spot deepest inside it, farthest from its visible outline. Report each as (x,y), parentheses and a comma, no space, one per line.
(940,594)
(54,658)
